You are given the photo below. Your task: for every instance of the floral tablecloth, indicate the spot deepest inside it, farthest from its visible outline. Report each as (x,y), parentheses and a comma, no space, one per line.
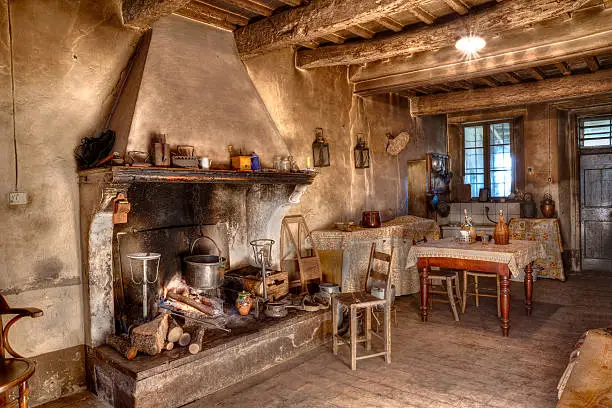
(397,233)
(517,254)
(546,231)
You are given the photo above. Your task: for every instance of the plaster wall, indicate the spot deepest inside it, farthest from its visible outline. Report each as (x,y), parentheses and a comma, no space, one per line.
(68,56)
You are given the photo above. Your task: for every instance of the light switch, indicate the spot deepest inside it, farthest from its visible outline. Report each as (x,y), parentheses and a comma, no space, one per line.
(18,198)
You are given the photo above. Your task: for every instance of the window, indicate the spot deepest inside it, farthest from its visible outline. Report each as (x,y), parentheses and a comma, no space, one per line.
(488,157)
(596,132)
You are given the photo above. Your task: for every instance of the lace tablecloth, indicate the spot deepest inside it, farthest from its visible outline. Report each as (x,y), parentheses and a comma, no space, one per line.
(517,254)
(546,231)
(397,233)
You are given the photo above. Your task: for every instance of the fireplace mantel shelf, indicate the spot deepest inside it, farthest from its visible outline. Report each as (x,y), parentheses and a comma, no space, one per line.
(128,175)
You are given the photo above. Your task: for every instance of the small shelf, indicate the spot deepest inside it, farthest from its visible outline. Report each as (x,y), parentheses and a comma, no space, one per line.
(128,175)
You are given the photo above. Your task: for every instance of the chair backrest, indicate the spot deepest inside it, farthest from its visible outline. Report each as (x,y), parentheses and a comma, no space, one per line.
(18,313)
(379,270)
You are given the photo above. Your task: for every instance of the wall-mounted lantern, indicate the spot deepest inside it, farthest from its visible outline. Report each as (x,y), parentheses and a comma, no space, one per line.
(320,150)
(362,153)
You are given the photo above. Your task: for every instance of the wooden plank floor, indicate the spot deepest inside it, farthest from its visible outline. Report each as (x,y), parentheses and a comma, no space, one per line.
(442,363)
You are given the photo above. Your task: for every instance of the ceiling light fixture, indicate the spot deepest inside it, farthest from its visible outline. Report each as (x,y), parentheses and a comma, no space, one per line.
(470,45)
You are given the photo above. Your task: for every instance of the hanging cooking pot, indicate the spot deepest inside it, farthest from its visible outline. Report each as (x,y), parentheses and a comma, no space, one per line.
(204,271)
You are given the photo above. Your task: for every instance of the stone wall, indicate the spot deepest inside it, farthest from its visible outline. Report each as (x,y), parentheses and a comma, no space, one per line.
(69,56)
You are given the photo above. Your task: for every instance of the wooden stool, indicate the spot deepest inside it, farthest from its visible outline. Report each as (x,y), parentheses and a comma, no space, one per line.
(477,290)
(446,278)
(356,301)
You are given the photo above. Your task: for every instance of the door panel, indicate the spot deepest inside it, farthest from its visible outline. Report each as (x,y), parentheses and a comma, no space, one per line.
(596,211)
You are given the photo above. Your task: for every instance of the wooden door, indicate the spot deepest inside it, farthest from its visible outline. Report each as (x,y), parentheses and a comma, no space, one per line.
(596,211)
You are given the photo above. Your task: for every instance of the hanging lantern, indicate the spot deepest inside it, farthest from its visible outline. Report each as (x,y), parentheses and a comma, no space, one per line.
(320,150)
(362,153)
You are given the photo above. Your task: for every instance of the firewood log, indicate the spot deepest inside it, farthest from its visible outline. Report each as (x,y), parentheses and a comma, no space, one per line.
(150,338)
(175,331)
(169,346)
(190,302)
(184,340)
(122,345)
(196,343)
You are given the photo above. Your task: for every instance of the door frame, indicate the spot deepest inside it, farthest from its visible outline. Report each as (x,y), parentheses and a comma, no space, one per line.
(573,115)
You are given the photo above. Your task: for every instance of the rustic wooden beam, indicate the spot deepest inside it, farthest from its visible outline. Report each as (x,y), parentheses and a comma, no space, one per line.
(390,23)
(202,11)
(423,15)
(191,12)
(498,18)
(335,38)
(592,63)
(458,6)
(361,31)
(588,33)
(292,3)
(310,44)
(488,82)
(251,6)
(142,13)
(510,77)
(563,68)
(536,73)
(547,90)
(314,20)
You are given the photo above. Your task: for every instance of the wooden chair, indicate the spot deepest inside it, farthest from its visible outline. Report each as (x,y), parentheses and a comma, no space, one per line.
(449,281)
(14,372)
(365,300)
(295,255)
(478,291)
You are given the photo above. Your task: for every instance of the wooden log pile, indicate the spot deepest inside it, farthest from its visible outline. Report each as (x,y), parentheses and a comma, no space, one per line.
(169,330)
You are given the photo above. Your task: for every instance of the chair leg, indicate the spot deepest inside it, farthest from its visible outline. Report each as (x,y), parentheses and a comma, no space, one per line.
(451,297)
(353,338)
(335,325)
(476,290)
(368,328)
(24,395)
(457,288)
(465,289)
(498,298)
(388,334)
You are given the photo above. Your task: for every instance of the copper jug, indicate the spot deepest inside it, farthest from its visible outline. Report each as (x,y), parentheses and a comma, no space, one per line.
(371,219)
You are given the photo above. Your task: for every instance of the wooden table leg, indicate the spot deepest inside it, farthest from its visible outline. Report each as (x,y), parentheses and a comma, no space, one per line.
(528,287)
(504,286)
(424,292)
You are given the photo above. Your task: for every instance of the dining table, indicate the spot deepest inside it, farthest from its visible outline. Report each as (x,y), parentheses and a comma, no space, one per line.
(513,260)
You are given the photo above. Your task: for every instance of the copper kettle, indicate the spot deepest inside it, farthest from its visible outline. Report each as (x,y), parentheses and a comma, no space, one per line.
(371,219)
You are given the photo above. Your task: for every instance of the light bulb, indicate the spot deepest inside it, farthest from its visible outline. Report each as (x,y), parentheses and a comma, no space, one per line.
(470,45)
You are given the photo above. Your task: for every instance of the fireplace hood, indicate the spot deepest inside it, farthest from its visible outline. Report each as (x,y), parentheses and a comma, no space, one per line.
(186,80)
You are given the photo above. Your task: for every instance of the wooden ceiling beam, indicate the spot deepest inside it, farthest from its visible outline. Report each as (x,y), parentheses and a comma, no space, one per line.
(142,13)
(335,38)
(592,63)
(251,6)
(588,33)
(314,20)
(201,11)
(496,19)
(563,68)
(292,3)
(458,6)
(309,44)
(547,90)
(536,73)
(423,15)
(361,31)
(511,77)
(390,23)
(488,82)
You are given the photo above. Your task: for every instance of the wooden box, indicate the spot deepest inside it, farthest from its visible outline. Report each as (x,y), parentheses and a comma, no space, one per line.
(241,163)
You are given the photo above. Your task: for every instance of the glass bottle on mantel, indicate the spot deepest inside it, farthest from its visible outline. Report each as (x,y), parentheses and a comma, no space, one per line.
(501,234)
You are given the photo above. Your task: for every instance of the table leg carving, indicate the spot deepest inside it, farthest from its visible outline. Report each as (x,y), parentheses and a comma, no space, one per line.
(424,292)
(504,286)
(528,288)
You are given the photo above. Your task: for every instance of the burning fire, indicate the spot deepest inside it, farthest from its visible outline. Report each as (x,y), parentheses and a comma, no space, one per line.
(176,285)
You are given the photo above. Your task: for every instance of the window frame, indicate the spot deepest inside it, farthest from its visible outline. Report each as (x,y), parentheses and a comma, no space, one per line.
(487,151)
(580,137)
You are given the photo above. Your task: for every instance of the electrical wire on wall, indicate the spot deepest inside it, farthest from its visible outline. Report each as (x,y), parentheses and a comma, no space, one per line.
(10,33)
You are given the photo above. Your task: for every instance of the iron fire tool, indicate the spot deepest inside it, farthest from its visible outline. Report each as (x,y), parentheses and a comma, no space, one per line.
(262,250)
(145,257)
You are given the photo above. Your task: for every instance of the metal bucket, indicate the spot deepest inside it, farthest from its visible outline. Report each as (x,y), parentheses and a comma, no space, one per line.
(204,271)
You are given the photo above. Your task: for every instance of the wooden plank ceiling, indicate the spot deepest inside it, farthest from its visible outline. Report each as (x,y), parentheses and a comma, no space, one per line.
(407,46)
